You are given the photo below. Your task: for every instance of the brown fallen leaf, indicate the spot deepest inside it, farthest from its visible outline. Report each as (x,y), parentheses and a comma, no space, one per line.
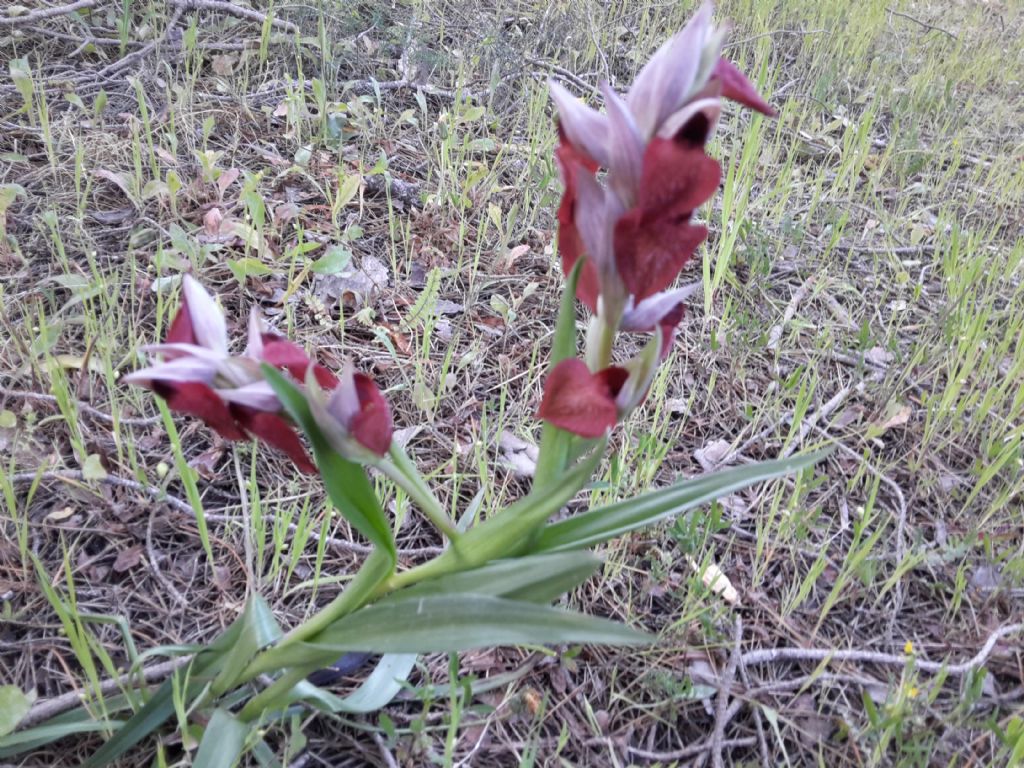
(355,287)
(128,558)
(896,415)
(226,179)
(117,179)
(212,221)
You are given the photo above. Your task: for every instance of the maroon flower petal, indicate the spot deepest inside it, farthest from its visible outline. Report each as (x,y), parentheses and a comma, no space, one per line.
(199,400)
(735,86)
(181,331)
(570,244)
(668,325)
(371,426)
(654,240)
(281,353)
(650,255)
(579,401)
(277,433)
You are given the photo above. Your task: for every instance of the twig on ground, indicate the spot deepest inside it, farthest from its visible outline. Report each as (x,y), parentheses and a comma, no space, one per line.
(230,9)
(85,408)
(772,33)
(924,24)
(46,13)
(692,750)
(817,655)
(722,701)
(48,708)
(895,250)
(385,753)
(901,513)
(762,741)
(812,420)
(123,63)
(572,77)
(154,565)
(775,334)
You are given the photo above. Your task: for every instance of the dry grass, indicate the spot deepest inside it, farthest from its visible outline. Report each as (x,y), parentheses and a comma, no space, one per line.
(863,285)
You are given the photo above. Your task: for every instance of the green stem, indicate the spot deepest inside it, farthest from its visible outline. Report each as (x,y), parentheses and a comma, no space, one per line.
(265,699)
(403,472)
(365,585)
(598,353)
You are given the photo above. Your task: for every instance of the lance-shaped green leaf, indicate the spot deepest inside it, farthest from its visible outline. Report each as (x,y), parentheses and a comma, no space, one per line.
(535,578)
(259,629)
(346,482)
(451,623)
(14,705)
(376,692)
(222,742)
(600,525)
(554,442)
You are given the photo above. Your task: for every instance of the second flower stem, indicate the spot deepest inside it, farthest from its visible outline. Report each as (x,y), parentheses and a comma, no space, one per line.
(401,470)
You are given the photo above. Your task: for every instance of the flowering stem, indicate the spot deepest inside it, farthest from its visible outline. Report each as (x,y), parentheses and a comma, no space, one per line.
(403,472)
(600,340)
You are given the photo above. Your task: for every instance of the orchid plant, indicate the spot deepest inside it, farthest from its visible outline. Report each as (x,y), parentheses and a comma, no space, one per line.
(633,177)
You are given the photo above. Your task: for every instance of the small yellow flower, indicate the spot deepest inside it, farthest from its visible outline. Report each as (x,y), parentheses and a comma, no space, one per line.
(912,692)
(909,648)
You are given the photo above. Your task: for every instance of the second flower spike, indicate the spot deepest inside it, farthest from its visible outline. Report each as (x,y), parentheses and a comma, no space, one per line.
(354,417)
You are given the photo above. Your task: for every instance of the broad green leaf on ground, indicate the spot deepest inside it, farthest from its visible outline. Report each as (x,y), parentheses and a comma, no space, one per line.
(373,573)
(450,623)
(605,523)
(259,629)
(222,742)
(377,691)
(31,739)
(14,705)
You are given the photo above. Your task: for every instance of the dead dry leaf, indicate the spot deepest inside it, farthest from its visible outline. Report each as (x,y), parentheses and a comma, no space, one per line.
(128,559)
(896,415)
(226,179)
(713,454)
(355,287)
(879,357)
(60,514)
(212,221)
(117,179)
(517,454)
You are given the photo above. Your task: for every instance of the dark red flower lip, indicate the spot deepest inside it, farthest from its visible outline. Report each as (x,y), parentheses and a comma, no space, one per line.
(582,402)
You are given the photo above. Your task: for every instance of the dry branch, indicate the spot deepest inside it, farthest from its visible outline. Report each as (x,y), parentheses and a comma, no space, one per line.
(230,9)
(46,13)
(817,655)
(44,710)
